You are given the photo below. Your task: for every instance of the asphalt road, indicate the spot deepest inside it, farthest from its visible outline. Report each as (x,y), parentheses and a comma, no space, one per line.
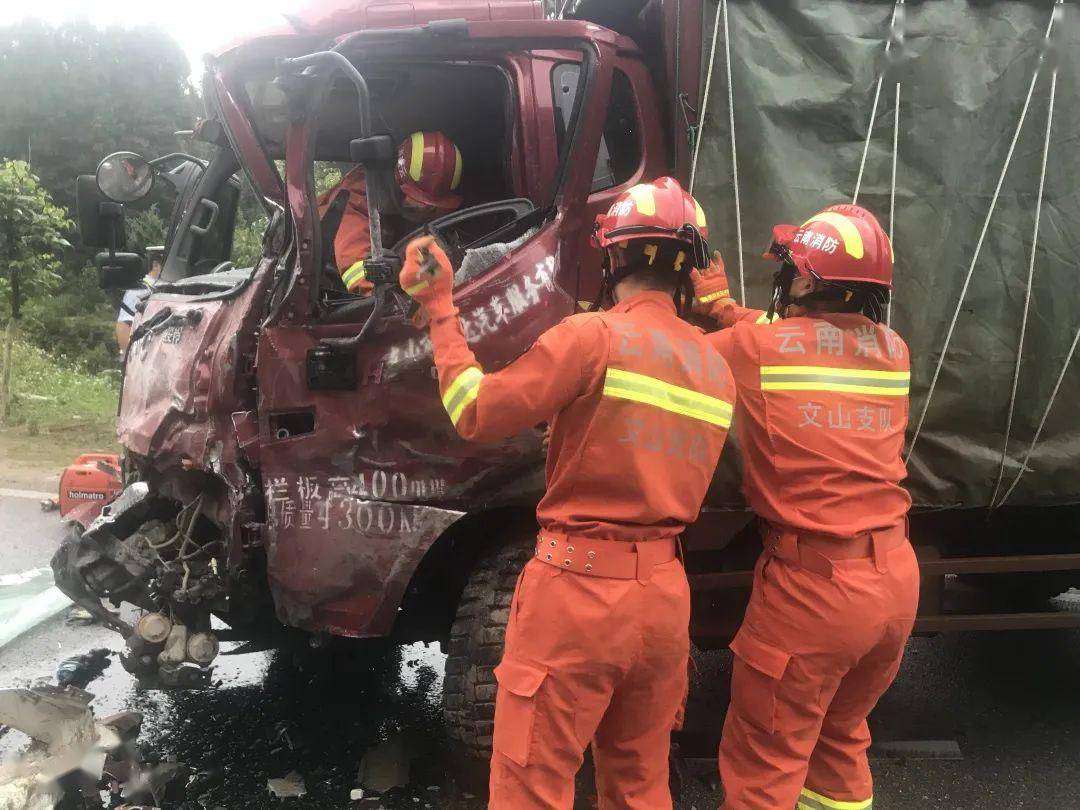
(28,536)
(1008,700)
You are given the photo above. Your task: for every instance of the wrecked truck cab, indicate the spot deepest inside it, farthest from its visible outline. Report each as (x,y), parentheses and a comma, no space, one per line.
(362,470)
(298,465)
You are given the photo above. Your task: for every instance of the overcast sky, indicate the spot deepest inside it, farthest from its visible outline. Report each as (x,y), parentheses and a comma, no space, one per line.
(198,25)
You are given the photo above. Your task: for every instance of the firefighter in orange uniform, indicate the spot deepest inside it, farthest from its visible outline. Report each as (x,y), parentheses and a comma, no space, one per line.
(822,407)
(639,404)
(428,173)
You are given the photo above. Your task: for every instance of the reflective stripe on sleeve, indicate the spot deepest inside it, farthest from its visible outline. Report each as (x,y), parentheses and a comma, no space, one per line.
(809,800)
(708,299)
(462,391)
(622,384)
(353,274)
(415,288)
(844,380)
(764,318)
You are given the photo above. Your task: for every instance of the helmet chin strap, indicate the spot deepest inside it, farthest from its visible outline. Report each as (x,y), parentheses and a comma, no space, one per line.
(781,298)
(606,294)
(683,295)
(871,301)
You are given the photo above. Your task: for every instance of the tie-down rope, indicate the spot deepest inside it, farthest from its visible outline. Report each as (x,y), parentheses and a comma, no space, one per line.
(892,192)
(979,244)
(1042,422)
(873,112)
(722,14)
(1024,320)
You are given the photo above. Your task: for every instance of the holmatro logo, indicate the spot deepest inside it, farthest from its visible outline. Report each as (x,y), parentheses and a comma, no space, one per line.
(80,495)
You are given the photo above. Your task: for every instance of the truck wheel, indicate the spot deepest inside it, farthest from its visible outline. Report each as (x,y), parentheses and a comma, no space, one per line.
(475,648)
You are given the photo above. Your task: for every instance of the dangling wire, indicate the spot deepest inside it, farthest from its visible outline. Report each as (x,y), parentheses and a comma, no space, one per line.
(1027,296)
(978,246)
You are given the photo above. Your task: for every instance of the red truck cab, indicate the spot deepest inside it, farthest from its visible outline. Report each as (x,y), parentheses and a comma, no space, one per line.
(287,458)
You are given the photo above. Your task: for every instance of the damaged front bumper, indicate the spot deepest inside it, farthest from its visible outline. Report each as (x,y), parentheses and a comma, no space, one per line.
(164,558)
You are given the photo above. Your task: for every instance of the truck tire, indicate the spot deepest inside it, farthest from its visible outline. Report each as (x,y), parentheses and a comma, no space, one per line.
(475,648)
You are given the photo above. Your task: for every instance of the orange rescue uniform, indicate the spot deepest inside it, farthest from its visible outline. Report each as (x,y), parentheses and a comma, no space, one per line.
(597,643)
(352,243)
(822,409)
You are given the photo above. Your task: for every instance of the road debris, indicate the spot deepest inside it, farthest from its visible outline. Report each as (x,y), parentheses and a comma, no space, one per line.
(80,670)
(69,746)
(79,617)
(387,765)
(287,787)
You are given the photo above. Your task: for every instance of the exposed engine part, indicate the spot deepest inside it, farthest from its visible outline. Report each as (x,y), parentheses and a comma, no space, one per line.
(153,628)
(175,647)
(184,676)
(202,648)
(165,558)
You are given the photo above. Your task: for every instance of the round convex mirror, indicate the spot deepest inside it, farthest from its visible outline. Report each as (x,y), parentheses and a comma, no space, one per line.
(125,177)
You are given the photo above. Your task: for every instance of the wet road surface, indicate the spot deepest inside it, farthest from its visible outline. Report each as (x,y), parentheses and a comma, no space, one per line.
(28,536)
(1008,700)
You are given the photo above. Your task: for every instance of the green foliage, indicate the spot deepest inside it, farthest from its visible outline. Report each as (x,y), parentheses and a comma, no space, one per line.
(31,237)
(247,240)
(71,95)
(74,93)
(144,229)
(52,396)
(327,175)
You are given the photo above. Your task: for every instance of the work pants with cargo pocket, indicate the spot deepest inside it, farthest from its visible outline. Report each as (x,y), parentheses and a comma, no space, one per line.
(818,647)
(590,660)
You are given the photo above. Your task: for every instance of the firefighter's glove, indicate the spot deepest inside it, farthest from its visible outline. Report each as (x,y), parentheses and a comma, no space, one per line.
(711,290)
(428,277)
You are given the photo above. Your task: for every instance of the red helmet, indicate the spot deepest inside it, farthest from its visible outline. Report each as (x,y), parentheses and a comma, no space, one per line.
(429,169)
(660,209)
(843,243)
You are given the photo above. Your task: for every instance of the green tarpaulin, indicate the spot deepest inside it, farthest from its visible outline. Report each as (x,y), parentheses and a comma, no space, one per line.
(804,75)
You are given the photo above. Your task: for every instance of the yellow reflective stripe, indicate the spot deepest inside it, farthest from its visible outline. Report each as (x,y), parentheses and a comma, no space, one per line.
(849,234)
(353,273)
(764,318)
(458,167)
(837,372)
(416,156)
(628,385)
(845,380)
(643,199)
(815,801)
(706,299)
(462,391)
(415,288)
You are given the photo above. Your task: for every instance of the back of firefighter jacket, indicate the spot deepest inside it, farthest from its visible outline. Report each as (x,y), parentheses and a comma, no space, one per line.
(822,409)
(639,404)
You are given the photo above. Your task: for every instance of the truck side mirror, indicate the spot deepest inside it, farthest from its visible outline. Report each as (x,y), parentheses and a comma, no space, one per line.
(125,177)
(101,225)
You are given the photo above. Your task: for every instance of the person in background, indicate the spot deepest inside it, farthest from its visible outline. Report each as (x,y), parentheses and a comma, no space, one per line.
(156,257)
(428,172)
(821,411)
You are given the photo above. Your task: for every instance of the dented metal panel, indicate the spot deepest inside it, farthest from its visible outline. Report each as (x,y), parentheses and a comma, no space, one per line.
(355,503)
(188,369)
